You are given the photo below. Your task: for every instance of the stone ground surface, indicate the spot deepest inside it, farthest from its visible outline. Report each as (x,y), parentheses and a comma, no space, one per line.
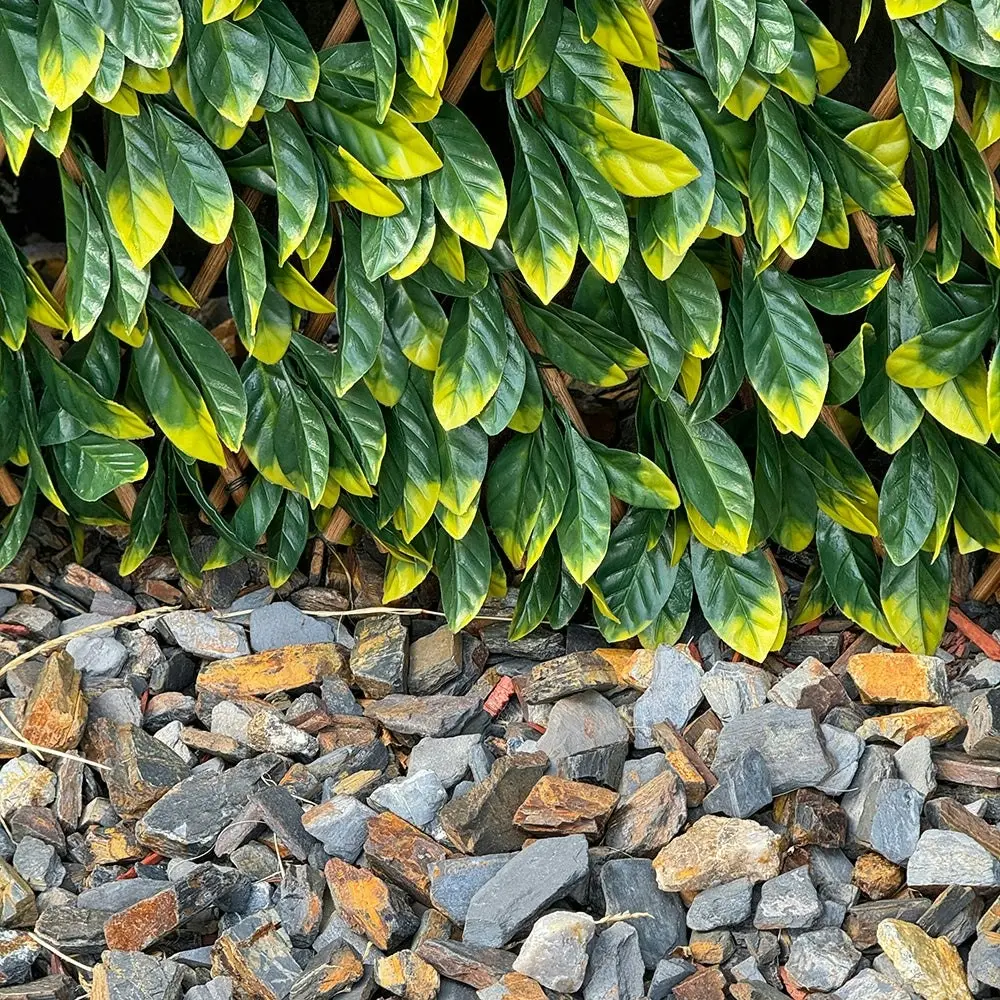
(280,806)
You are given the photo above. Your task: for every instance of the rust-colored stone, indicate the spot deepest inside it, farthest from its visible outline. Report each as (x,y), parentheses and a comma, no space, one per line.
(144,923)
(695,775)
(407,975)
(111,845)
(899,678)
(929,966)
(558,806)
(475,965)
(708,984)
(57,712)
(340,969)
(877,877)
(273,670)
(346,731)
(520,987)
(650,818)
(570,674)
(369,905)
(401,854)
(939,725)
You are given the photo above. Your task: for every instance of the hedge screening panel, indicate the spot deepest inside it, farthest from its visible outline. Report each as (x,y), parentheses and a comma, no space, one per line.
(639,237)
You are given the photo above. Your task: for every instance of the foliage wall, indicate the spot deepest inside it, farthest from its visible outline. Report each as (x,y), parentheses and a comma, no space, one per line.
(640,242)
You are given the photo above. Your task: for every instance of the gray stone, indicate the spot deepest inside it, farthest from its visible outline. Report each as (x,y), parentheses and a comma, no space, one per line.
(97,655)
(673,694)
(18,953)
(946,857)
(734,688)
(581,722)
(253,599)
(744,786)
(256,861)
(77,622)
(281,624)
(218,988)
(555,952)
(417,798)
(629,886)
(915,765)
(668,974)
(38,864)
(269,733)
(167,707)
(379,656)
(890,819)
(340,824)
(454,881)
(228,719)
(119,894)
(429,715)
(600,766)
(810,685)
(7,599)
(823,646)
(845,750)
(875,766)
(533,879)
(722,906)
(984,960)
(787,901)
(41,623)
(789,740)
(831,872)
(131,975)
(615,970)
(869,985)
(187,820)
(118,705)
(203,635)
(448,758)
(337,697)
(822,960)
(639,772)
(984,674)
(25,782)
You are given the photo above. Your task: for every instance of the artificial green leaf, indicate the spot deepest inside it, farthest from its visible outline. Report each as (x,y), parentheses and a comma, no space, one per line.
(915,598)
(295,176)
(585,526)
(146,521)
(88,260)
(740,598)
(464,568)
(245,275)
(70,47)
(635,479)
(841,294)
(847,369)
(94,466)
(361,309)
(148,32)
(926,92)
(723,33)
(908,502)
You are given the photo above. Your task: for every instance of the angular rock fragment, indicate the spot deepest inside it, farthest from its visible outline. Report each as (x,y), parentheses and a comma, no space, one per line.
(378,660)
(580,723)
(369,905)
(417,797)
(203,635)
(71,930)
(916,766)
(811,818)
(899,678)
(555,953)
(929,966)
(788,901)
(673,694)
(615,970)
(143,771)
(744,786)
(280,624)
(454,881)
(272,671)
(945,857)
(939,725)
(789,740)
(557,806)
(877,877)
(474,965)
(650,818)
(401,854)
(570,674)
(268,733)
(257,955)
(810,685)
(122,975)
(435,659)
(716,850)
(889,822)
(449,758)
(18,954)
(693,772)
(535,877)
(629,886)
(432,715)
(734,688)
(822,960)
(725,905)
(340,824)
(983,716)
(482,820)
(56,712)
(17,901)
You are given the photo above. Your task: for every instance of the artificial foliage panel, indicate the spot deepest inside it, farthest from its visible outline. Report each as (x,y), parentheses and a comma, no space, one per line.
(635,236)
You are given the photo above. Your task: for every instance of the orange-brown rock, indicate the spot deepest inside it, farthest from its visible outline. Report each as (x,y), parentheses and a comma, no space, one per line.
(407,975)
(939,725)
(369,905)
(111,845)
(899,678)
(877,877)
(519,987)
(434,926)
(401,854)
(811,818)
(637,671)
(711,947)
(694,773)
(346,730)
(57,712)
(142,924)
(558,806)
(708,984)
(358,784)
(273,670)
